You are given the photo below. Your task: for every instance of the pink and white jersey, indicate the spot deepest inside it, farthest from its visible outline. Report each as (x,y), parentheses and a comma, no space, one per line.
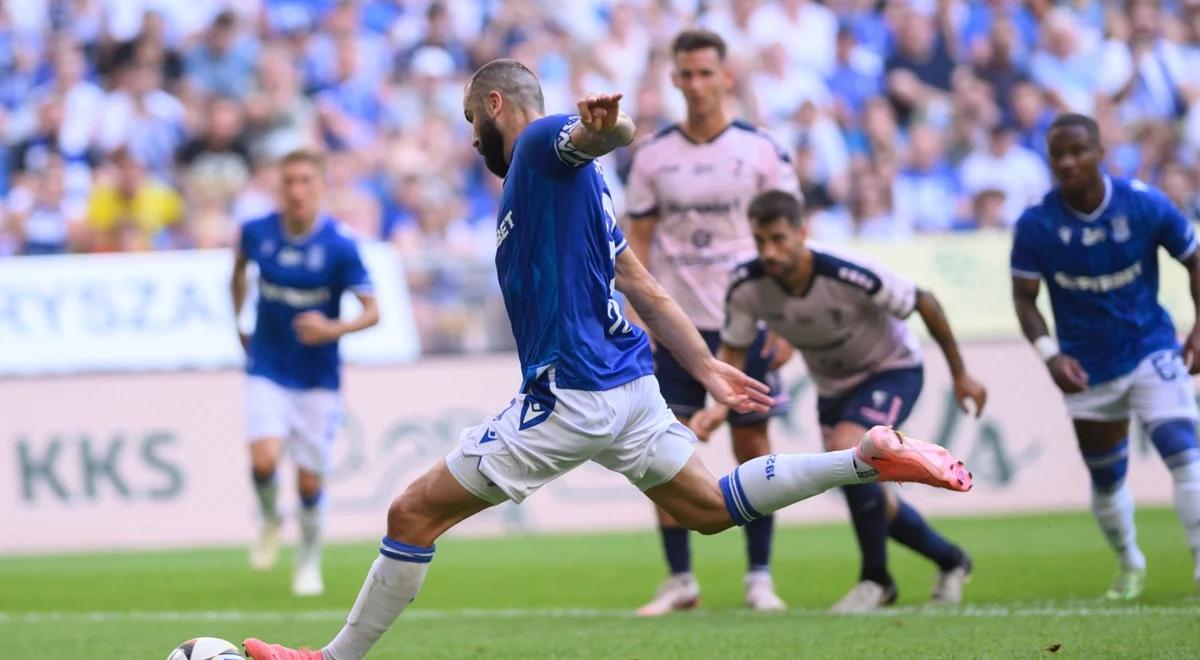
(848,325)
(699,193)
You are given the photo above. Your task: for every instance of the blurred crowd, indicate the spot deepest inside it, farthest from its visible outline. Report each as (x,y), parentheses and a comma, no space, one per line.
(153,124)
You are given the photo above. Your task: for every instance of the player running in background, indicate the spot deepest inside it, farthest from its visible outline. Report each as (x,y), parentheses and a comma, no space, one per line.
(845,316)
(305,261)
(687,197)
(1095,240)
(588,390)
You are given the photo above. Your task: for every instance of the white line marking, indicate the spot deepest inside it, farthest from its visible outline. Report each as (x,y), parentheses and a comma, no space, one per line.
(1062,610)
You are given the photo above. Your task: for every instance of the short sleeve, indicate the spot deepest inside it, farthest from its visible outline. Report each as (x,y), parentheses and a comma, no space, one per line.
(548,145)
(1023,261)
(640,198)
(1175,233)
(741,320)
(896,294)
(354,273)
(618,238)
(780,172)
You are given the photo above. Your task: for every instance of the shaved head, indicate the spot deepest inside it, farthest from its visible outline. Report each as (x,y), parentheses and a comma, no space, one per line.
(515,82)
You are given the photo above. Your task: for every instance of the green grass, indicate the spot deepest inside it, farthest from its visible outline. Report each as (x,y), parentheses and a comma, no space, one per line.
(570,597)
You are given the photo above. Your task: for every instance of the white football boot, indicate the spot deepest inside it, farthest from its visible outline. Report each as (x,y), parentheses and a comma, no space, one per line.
(760,593)
(678,592)
(866,596)
(948,590)
(306,575)
(264,551)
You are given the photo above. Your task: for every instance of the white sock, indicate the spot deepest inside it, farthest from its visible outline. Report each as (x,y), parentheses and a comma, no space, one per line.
(393,583)
(1114,511)
(1187,500)
(266,492)
(311,518)
(769,483)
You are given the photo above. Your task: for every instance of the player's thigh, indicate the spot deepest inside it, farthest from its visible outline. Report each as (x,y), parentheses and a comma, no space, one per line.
(541,435)
(1100,436)
(1162,390)
(432,504)
(1103,402)
(316,417)
(266,421)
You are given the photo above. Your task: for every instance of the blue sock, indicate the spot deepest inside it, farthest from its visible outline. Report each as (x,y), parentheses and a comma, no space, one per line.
(310,501)
(1107,468)
(910,529)
(866,503)
(758,542)
(677,548)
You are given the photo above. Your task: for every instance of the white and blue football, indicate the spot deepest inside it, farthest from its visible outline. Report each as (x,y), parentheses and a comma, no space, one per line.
(206,648)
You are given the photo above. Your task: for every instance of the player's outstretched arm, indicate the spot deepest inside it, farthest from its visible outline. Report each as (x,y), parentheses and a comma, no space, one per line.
(708,420)
(602,126)
(965,387)
(672,327)
(1066,371)
(1191,345)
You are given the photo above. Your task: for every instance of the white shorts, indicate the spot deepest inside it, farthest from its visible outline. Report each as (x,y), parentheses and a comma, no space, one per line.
(1158,390)
(306,420)
(548,431)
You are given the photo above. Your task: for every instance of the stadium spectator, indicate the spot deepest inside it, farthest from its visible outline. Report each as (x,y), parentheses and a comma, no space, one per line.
(1005,167)
(129,210)
(223,64)
(143,118)
(40,213)
(927,190)
(920,70)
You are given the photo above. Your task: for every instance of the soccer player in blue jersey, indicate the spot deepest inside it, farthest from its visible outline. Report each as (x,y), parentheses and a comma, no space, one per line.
(588,391)
(305,260)
(1094,240)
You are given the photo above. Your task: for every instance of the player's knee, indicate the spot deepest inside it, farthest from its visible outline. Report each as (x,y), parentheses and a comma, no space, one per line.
(1175,441)
(409,521)
(750,442)
(1108,467)
(309,486)
(263,468)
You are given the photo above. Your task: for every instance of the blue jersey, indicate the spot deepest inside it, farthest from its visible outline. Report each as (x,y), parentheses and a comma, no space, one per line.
(557,241)
(298,274)
(1102,272)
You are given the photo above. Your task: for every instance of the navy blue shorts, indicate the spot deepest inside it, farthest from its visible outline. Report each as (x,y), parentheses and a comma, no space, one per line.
(886,398)
(685,395)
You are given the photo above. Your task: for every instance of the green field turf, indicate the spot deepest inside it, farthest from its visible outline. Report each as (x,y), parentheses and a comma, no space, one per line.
(571,596)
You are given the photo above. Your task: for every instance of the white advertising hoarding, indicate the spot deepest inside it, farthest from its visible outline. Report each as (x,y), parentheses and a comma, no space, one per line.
(160,311)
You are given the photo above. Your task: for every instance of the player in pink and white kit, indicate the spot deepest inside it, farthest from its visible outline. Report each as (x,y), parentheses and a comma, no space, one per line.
(687,196)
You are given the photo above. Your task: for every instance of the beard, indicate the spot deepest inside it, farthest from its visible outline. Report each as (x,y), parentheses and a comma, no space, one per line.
(491,146)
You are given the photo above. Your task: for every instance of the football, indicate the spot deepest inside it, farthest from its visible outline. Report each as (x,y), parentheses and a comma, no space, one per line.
(206,648)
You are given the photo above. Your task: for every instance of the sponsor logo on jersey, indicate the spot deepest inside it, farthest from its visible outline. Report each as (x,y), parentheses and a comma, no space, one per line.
(293,297)
(1099,283)
(506,225)
(1093,235)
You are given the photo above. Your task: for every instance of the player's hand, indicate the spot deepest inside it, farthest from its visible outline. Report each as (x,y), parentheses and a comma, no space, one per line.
(778,350)
(967,388)
(245,340)
(314,328)
(708,420)
(1068,374)
(1191,351)
(599,111)
(731,387)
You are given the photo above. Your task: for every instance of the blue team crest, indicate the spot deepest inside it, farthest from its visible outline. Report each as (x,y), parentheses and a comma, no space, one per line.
(1064,233)
(1120,229)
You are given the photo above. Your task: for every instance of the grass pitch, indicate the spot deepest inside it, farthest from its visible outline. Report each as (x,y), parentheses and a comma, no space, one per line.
(1034,595)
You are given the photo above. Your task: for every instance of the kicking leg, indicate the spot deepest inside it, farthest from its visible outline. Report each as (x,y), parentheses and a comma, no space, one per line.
(432,504)
(750,441)
(1105,449)
(264,461)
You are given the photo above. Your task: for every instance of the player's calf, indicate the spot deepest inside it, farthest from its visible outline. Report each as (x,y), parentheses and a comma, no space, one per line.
(1175,441)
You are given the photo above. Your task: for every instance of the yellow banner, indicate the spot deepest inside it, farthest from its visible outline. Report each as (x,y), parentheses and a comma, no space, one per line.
(969,274)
